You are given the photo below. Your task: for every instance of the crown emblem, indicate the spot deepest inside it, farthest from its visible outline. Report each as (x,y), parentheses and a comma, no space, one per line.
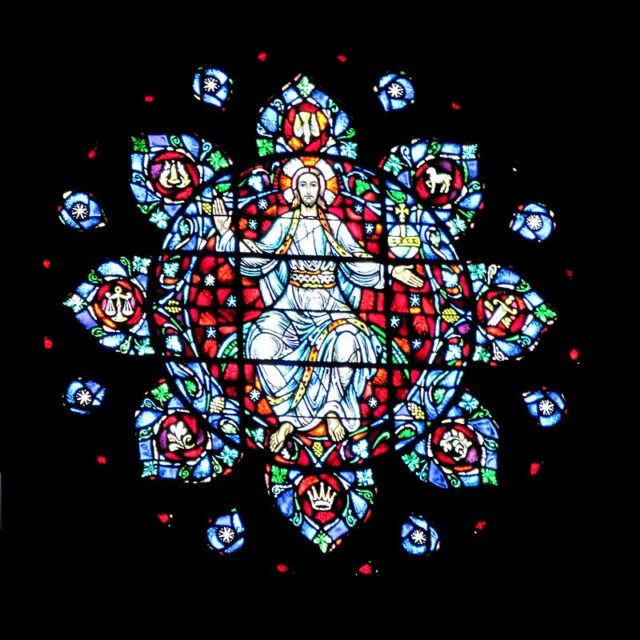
(322,498)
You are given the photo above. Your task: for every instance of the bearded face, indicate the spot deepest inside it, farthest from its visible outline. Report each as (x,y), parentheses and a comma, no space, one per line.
(308,189)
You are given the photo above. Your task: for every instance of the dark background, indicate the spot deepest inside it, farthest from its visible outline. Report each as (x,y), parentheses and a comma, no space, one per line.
(66,515)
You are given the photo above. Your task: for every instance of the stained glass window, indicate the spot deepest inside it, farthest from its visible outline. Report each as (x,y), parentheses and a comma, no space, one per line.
(328,354)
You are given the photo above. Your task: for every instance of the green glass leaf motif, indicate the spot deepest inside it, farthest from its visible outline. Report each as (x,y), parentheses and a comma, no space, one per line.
(412,460)
(139,144)
(217,161)
(149,469)
(278,475)
(75,303)
(545,314)
(305,87)
(393,165)
(265,147)
(362,186)
(489,476)
(481,354)
(322,540)
(349,150)
(161,393)
(143,347)
(477,271)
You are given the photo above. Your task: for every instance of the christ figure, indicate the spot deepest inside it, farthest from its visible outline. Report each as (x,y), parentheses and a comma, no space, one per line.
(314,352)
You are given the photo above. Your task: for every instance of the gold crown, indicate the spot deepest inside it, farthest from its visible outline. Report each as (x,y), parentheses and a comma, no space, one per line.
(321,500)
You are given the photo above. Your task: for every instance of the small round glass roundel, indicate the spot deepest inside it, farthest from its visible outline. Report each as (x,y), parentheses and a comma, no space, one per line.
(226,534)
(419,538)
(83,396)
(533,221)
(212,86)
(545,406)
(395,91)
(80,211)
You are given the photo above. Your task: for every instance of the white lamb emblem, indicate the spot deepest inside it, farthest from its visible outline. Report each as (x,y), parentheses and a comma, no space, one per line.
(438,182)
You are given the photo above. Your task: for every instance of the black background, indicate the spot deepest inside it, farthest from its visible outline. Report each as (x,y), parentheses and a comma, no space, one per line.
(66,515)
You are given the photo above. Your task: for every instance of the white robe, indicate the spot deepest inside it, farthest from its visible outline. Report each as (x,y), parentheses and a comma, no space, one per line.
(304,327)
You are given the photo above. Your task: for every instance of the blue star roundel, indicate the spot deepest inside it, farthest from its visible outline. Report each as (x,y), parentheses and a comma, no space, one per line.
(419,538)
(83,396)
(80,211)
(226,534)
(213,86)
(395,91)
(533,221)
(545,406)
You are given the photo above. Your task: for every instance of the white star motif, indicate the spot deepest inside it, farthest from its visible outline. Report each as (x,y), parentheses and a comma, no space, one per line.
(211,85)
(226,535)
(546,407)
(358,208)
(79,211)
(417,343)
(394,322)
(414,300)
(263,204)
(418,536)
(534,222)
(209,280)
(369,228)
(253,224)
(84,397)
(395,90)
(231,301)
(373,402)
(254,395)
(361,449)
(211,332)
(255,182)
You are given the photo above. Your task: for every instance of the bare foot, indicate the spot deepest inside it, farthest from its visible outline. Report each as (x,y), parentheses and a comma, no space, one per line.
(335,428)
(277,439)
